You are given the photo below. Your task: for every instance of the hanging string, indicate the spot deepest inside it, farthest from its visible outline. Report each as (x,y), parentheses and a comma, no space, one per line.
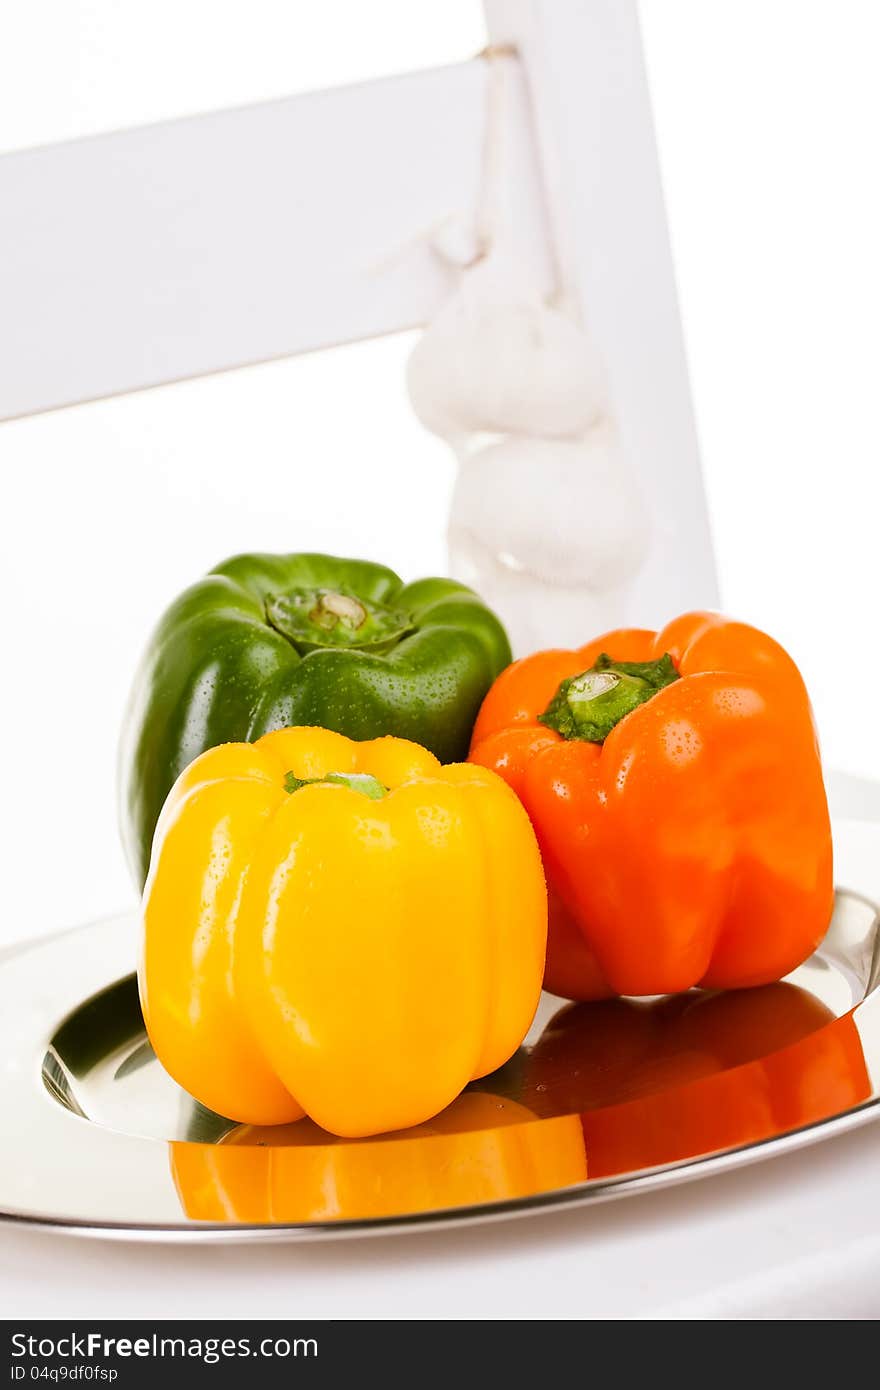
(464,240)
(546,521)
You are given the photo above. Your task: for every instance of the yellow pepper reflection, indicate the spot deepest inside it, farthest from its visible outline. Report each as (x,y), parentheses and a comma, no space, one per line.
(482,1148)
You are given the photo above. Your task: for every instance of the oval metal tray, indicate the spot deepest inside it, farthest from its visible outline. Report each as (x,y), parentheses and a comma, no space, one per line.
(602,1100)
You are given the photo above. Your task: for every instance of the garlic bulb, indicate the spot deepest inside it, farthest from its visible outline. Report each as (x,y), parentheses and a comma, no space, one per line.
(549,532)
(496,360)
(567,512)
(547,522)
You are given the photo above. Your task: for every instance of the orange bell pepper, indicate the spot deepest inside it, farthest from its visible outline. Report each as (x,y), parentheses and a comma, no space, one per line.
(674,782)
(348,930)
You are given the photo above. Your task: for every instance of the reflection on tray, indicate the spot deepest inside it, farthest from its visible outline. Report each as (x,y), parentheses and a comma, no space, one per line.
(608,1088)
(675,1079)
(480,1149)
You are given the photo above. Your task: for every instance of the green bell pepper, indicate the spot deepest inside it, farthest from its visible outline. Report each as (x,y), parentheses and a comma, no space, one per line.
(268,641)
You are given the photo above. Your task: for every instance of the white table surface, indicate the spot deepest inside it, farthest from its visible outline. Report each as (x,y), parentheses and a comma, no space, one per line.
(794,1237)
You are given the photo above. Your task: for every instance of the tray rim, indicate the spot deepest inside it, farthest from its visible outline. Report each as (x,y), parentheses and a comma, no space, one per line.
(595,1190)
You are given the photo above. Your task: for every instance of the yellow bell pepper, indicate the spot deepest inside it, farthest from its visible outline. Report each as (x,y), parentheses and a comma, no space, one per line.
(345,930)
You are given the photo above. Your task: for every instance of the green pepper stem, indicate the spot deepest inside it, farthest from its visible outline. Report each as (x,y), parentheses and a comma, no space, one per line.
(311,619)
(588,706)
(332,608)
(362,782)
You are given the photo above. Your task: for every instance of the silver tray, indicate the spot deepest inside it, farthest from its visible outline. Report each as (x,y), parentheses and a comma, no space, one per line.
(601,1101)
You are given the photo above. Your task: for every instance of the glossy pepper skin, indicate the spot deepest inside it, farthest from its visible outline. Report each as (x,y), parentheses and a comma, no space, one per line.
(264,642)
(692,845)
(346,930)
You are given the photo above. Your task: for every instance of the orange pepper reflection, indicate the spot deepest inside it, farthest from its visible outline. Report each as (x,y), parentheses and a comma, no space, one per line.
(691,1074)
(480,1149)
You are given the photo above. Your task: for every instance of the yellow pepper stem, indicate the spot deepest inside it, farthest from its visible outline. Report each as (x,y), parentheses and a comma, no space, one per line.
(361,782)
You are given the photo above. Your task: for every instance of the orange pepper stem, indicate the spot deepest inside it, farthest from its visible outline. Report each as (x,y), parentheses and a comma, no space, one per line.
(356,781)
(589,705)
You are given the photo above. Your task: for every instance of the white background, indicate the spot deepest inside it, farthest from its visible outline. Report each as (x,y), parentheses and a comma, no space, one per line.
(767,114)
